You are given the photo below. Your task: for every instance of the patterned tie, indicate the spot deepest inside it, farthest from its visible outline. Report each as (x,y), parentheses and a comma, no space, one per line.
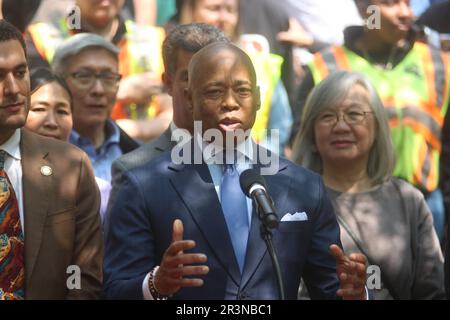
(234,206)
(12,267)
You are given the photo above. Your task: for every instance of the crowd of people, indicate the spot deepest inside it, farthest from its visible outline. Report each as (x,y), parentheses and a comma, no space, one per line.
(350,102)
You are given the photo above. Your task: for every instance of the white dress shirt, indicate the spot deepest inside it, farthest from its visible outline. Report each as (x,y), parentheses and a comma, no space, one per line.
(13,168)
(173,126)
(245,160)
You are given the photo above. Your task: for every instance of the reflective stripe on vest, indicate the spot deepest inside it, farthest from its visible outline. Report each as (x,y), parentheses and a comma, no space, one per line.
(415,94)
(140,51)
(268,73)
(46,37)
(143,44)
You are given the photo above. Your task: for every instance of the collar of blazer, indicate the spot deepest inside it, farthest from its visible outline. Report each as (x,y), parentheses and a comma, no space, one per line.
(164,142)
(36,192)
(197,155)
(207,213)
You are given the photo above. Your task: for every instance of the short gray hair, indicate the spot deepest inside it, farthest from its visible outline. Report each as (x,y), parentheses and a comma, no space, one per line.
(328,93)
(77,43)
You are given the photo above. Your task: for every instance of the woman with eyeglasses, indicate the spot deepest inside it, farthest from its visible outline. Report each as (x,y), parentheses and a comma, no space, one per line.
(50,115)
(345,137)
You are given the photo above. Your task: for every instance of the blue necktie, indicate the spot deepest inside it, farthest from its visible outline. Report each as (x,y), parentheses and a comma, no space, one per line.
(234,206)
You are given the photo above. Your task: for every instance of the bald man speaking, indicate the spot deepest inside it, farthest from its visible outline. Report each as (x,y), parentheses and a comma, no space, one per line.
(187,231)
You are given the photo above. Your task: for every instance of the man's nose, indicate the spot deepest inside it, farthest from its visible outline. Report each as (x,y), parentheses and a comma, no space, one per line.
(98,87)
(229,101)
(405,10)
(11,86)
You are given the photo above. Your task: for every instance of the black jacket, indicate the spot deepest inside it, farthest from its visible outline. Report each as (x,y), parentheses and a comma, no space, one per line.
(126,143)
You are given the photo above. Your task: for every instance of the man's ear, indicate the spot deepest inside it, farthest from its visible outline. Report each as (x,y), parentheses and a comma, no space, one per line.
(258,97)
(167,81)
(188,99)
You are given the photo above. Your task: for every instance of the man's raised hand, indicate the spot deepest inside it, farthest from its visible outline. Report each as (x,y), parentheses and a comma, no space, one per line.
(176,264)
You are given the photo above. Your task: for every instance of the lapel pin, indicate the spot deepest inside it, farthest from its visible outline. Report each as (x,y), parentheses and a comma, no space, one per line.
(46,171)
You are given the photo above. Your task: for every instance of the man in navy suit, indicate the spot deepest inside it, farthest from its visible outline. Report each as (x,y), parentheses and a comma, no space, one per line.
(163,202)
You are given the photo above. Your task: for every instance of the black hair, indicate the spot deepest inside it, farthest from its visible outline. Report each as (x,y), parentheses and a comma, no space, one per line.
(191,38)
(9,32)
(20,12)
(42,76)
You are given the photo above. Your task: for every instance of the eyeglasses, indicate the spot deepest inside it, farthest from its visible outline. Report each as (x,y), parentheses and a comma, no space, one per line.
(86,79)
(330,118)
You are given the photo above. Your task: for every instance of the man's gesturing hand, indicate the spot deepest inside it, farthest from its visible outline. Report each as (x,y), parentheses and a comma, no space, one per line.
(176,264)
(351,271)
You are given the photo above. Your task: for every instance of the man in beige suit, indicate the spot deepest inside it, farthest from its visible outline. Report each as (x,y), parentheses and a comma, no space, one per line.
(54,194)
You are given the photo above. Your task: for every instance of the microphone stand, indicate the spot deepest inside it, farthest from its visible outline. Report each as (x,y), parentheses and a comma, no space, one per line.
(266,234)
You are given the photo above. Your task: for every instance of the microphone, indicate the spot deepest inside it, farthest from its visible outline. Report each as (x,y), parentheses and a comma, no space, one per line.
(254,186)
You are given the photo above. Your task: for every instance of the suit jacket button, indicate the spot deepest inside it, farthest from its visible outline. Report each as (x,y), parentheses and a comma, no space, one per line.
(243,296)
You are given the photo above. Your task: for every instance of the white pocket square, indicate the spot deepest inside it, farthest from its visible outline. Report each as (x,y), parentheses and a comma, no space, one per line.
(298,216)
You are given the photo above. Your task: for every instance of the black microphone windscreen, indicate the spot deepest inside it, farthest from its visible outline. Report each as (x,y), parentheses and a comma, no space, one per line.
(248,178)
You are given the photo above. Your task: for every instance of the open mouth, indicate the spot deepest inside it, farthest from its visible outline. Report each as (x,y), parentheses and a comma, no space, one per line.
(230,124)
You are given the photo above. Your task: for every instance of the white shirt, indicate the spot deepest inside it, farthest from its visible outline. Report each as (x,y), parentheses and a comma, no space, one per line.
(245,159)
(173,126)
(13,168)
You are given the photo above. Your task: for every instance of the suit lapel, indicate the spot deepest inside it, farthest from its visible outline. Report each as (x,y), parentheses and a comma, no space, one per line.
(36,192)
(194,185)
(256,248)
(166,142)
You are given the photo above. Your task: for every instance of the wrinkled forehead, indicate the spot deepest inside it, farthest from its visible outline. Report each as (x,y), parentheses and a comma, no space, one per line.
(221,62)
(93,57)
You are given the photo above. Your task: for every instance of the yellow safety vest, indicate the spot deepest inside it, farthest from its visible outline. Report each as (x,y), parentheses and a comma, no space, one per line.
(268,73)
(140,51)
(415,94)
